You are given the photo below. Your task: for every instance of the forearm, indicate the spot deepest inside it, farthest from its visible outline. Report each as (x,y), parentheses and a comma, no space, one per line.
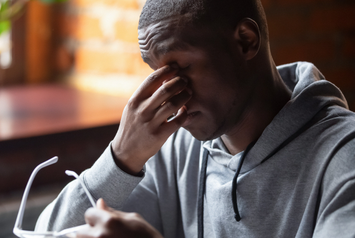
(103,180)
(144,128)
(67,210)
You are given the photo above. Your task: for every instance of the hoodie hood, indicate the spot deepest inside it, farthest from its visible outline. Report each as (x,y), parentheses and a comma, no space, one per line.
(310,94)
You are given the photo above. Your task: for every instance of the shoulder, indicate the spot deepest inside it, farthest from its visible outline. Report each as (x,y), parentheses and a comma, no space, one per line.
(339,132)
(337,124)
(338,129)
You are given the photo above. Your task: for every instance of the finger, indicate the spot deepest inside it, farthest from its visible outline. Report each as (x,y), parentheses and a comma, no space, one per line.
(86,232)
(89,218)
(172,106)
(101,204)
(167,91)
(95,216)
(153,81)
(175,123)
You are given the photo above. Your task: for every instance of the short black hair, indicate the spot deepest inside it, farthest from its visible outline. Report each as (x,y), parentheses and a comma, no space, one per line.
(219,13)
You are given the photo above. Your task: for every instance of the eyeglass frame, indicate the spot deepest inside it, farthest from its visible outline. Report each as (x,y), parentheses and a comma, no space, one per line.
(69,232)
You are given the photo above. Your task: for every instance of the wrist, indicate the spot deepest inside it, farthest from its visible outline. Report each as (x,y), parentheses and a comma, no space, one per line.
(134,170)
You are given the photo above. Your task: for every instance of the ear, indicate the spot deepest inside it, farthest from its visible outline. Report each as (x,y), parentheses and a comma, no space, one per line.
(248,36)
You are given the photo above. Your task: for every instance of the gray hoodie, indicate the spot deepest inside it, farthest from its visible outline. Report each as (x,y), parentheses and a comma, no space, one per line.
(298,180)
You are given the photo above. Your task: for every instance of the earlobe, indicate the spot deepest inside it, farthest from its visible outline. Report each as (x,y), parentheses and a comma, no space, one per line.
(248,37)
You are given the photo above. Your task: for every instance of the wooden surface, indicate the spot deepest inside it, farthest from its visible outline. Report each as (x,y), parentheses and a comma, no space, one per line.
(41,110)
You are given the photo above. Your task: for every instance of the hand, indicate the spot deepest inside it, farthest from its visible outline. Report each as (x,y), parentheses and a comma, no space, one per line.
(106,222)
(144,127)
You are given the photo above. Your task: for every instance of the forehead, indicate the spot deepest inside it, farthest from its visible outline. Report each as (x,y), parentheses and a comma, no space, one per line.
(163,37)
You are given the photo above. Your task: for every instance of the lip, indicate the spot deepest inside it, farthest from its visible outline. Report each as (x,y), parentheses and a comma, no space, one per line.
(192,114)
(190,118)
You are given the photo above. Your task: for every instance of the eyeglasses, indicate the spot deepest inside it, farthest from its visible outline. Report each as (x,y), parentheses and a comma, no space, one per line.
(70,232)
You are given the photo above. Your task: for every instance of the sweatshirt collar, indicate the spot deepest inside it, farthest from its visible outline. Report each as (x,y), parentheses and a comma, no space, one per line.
(220,154)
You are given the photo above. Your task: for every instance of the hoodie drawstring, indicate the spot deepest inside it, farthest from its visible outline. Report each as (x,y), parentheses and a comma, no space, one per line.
(234,184)
(202,188)
(201,193)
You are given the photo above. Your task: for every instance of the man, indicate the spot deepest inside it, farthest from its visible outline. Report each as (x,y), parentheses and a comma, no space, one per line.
(262,152)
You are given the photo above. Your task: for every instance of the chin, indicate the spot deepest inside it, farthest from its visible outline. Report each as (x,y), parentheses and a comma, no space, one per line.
(205,128)
(203,135)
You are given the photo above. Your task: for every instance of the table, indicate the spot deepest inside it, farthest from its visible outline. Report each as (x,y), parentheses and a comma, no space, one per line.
(47,109)
(39,122)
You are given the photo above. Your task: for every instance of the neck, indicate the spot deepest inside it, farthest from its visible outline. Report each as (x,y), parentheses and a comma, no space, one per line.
(269,98)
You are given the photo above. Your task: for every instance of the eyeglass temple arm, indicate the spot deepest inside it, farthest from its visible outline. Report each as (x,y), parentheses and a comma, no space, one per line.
(72,173)
(19,219)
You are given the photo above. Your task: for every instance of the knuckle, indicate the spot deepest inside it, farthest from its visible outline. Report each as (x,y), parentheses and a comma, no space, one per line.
(143,113)
(153,77)
(165,89)
(152,133)
(132,103)
(133,218)
(135,215)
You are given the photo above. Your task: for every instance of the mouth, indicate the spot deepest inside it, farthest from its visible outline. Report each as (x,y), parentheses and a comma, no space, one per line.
(192,114)
(190,117)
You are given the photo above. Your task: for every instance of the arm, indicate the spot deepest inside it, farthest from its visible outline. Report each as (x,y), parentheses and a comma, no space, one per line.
(143,130)
(104,179)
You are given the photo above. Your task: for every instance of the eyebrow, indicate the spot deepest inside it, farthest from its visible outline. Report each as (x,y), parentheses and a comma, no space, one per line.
(163,50)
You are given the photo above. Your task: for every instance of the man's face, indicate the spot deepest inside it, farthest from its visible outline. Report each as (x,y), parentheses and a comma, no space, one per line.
(216,75)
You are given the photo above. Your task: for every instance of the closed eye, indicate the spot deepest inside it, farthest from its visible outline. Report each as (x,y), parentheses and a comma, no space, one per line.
(185,68)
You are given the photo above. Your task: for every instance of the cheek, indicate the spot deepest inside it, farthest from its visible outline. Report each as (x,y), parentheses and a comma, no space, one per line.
(205,82)
(213,98)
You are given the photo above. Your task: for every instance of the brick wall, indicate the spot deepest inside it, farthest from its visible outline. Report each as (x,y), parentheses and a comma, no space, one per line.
(319,31)
(101,37)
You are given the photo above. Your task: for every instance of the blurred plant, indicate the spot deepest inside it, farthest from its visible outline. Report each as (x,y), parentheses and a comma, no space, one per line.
(4,21)
(10,9)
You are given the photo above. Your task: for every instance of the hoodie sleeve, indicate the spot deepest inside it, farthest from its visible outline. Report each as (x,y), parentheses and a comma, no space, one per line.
(103,180)
(156,196)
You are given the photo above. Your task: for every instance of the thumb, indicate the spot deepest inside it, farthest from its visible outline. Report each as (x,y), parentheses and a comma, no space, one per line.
(101,204)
